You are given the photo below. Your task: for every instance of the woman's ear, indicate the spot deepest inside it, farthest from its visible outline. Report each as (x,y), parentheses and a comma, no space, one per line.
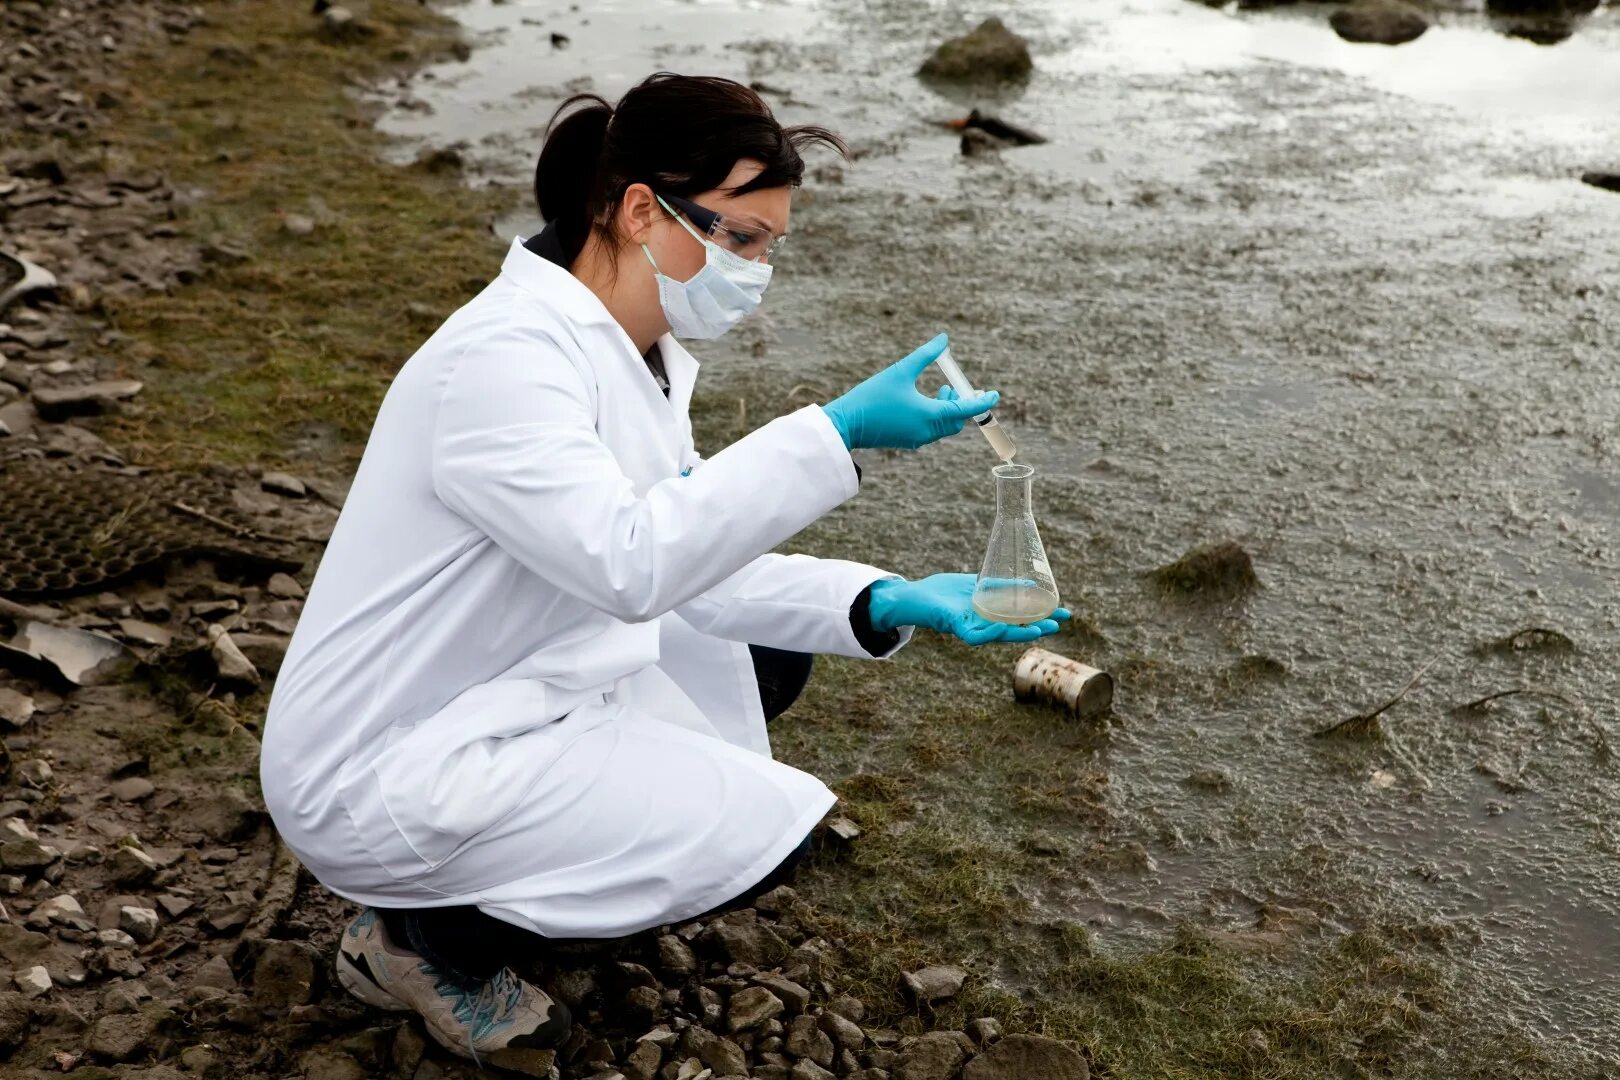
(638,211)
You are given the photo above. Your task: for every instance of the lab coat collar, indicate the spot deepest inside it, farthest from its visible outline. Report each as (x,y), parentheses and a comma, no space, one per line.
(554,285)
(569,296)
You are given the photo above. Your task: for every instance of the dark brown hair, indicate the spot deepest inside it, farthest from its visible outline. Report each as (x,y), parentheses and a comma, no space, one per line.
(678,134)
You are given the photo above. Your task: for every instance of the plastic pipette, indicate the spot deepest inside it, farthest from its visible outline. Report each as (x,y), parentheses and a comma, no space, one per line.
(1001,442)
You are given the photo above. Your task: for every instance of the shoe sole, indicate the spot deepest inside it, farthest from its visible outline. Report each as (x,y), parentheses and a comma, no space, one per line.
(361,985)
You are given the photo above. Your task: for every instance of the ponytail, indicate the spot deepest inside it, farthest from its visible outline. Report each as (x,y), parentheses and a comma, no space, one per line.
(565,179)
(678,134)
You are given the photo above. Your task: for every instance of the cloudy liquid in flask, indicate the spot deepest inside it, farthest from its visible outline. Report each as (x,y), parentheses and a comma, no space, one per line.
(1019,606)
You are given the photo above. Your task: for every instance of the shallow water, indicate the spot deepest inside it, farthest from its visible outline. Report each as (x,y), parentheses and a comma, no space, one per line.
(1347,305)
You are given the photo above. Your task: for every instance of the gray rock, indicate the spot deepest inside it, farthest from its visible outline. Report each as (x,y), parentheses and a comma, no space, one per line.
(990,53)
(33,982)
(844,1031)
(280,483)
(58,403)
(225,815)
(643,1061)
(115,939)
(140,923)
(753,1007)
(230,915)
(526,1061)
(13,1020)
(935,983)
(25,855)
(145,633)
(174,906)
(739,941)
(805,1039)
(1020,1056)
(215,973)
(298,224)
(63,910)
(985,1030)
(286,974)
(132,789)
(934,1056)
(265,652)
(809,1070)
(16,709)
(1379,22)
(123,1036)
(725,1057)
(131,866)
(229,662)
(794,996)
(285,587)
(675,956)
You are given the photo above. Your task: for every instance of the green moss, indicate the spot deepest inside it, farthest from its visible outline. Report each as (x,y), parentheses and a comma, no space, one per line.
(297,345)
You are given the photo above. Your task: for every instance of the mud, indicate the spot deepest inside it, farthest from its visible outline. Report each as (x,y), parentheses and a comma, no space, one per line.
(1348,306)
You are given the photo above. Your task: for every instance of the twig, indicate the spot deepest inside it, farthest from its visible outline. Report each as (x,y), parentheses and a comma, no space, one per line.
(1529,691)
(239,531)
(1362,725)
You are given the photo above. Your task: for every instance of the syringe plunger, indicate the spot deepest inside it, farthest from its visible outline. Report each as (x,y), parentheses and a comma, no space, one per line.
(1001,442)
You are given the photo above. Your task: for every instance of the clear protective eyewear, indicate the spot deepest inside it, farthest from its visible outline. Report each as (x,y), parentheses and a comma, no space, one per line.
(740,238)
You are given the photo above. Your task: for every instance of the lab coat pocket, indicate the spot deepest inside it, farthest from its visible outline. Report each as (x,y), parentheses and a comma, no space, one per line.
(460,772)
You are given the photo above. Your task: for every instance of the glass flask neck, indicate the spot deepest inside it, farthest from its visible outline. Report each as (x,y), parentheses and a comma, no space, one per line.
(1013,494)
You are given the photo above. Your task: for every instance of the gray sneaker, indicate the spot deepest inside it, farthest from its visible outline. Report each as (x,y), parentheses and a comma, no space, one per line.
(468,1021)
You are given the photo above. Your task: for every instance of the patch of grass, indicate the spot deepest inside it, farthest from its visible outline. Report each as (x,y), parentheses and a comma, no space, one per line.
(286,356)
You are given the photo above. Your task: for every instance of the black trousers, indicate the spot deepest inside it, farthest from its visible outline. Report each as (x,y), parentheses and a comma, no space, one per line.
(469,946)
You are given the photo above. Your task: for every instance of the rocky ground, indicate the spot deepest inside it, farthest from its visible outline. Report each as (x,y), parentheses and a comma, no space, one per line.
(150,924)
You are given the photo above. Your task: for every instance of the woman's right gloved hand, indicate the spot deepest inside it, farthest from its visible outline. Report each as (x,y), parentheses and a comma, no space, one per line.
(887,411)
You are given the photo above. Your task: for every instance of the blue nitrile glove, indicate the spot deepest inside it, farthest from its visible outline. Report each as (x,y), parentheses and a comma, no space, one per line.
(887,411)
(944,602)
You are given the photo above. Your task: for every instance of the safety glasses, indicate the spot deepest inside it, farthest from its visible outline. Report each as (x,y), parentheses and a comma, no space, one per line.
(741,239)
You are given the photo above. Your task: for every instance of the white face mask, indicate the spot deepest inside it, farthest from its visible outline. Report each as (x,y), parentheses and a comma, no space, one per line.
(727,290)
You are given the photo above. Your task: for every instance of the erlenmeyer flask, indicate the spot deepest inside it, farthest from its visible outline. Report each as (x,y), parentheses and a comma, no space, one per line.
(1015,583)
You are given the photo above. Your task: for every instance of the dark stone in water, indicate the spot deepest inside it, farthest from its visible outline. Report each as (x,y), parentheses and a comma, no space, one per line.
(991,53)
(1379,22)
(1608,181)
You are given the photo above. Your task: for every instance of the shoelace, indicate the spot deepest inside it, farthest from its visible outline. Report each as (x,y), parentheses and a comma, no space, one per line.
(482,1009)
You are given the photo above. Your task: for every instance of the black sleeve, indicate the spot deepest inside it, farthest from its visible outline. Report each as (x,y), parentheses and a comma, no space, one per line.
(876,642)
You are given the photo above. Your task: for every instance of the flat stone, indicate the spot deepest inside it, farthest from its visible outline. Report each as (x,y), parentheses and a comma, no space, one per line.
(62,910)
(228,917)
(794,996)
(229,662)
(140,923)
(934,1056)
(225,815)
(131,866)
(56,404)
(286,974)
(725,1057)
(675,956)
(132,789)
(16,709)
(985,1030)
(805,1039)
(285,586)
(844,1031)
(115,939)
(145,633)
(280,483)
(1020,1056)
(25,855)
(935,983)
(174,906)
(752,1007)
(215,973)
(263,652)
(809,1070)
(122,1036)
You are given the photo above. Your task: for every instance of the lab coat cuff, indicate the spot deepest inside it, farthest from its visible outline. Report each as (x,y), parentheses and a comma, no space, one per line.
(891,641)
(827,431)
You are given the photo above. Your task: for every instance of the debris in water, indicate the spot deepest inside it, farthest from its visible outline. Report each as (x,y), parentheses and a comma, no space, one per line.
(1379,22)
(1531,639)
(996,128)
(1608,181)
(1045,676)
(1217,570)
(1365,725)
(559,41)
(991,53)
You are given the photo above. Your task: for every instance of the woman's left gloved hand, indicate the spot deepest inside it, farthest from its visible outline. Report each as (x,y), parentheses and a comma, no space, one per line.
(944,602)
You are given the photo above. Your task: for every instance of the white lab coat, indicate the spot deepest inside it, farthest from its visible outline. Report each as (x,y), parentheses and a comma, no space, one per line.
(521,679)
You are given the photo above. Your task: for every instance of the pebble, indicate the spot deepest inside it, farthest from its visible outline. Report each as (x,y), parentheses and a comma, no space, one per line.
(753,1007)
(116,939)
(16,709)
(33,982)
(132,866)
(215,973)
(229,662)
(139,923)
(298,224)
(280,483)
(174,906)
(285,586)
(132,789)
(935,983)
